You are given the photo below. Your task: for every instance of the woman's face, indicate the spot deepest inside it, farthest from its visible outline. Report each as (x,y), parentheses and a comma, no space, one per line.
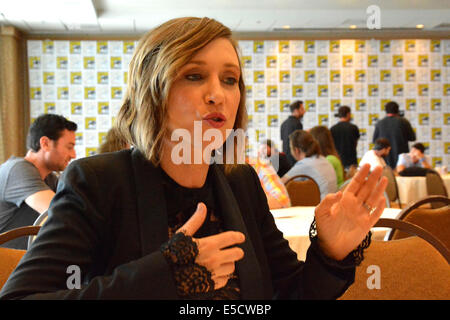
(206,94)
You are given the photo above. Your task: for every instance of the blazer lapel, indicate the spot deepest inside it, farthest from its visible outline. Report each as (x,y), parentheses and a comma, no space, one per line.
(152,218)
(250,275)
(151,204)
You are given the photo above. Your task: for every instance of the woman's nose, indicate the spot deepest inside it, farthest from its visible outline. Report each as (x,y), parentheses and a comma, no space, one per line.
(214,94)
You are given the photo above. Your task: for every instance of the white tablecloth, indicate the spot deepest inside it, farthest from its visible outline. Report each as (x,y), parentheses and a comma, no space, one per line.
(294,222)
(412,189)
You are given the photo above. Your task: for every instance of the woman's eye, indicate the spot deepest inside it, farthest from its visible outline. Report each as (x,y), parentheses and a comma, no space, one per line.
(193,77)
(231,80)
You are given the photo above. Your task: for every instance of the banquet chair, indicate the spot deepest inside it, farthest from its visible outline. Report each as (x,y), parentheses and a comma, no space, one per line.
(436,221)
(392,187)
(39,222)
(414,268)
(9,258)
(303,193)
(435,186)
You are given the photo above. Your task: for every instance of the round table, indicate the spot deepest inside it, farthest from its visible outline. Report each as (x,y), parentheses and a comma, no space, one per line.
(412,189)
(294,222)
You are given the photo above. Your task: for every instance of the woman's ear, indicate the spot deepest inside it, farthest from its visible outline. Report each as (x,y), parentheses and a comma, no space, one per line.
(295,152)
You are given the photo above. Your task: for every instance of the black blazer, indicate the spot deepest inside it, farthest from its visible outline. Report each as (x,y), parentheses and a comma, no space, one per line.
(109,218)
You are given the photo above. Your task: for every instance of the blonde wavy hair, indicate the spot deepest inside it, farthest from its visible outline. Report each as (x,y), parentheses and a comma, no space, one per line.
(142,119)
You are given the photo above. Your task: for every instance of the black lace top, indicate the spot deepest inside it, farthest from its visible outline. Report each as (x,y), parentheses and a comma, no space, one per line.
(192,280)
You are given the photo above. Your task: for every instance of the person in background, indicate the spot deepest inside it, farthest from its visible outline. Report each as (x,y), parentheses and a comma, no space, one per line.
(113,142)
(323,135)
(28,184)
(415,158)
(311,162)
(292,123)
(397,130)
(139,224)
(375,157)
(274,188)
(346,135)
(279,161)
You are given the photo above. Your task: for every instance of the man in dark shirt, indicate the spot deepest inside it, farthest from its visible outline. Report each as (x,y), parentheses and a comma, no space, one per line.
(397,130)
(345,136)
(290,125)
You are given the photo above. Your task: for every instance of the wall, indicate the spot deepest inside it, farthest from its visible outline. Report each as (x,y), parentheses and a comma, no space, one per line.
(14,115)
(85,81)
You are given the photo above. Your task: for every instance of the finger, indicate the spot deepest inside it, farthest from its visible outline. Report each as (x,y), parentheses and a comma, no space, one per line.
(358,179)
(195,222)
(231,255)
(220,282)
(327,202)
(366,189)
(378,212)
(222,240)
(223,270)
(218,258)
(376,192)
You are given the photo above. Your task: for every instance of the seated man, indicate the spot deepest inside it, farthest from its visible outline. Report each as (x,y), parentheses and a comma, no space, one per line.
(27,185)
(278,159)
(415,158)
(375,156)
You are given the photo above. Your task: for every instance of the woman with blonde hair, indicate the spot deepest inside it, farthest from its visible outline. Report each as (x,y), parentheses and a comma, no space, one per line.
(114,141)
(167,220)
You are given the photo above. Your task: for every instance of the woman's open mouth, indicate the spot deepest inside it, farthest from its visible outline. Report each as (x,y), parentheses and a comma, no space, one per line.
(215,119)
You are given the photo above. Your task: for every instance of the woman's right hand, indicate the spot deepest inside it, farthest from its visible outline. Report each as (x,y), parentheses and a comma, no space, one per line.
(214,252)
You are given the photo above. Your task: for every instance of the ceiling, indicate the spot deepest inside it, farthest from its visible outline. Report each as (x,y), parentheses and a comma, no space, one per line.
(134,17)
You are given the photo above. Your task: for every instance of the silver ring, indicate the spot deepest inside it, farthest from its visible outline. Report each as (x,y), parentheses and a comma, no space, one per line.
(368,208)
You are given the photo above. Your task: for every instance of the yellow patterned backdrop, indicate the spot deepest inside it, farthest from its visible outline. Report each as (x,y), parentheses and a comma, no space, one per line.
(85,81)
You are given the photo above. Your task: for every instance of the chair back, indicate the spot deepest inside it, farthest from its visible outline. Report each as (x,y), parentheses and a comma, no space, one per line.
(347,182)
(413,268)
(435,186)
(392,187)
(39,222)
(303,193)
(9,258)
(436,221)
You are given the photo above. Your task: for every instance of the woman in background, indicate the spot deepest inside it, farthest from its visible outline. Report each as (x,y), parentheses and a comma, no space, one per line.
(114,141)
(323,135)
(310,162)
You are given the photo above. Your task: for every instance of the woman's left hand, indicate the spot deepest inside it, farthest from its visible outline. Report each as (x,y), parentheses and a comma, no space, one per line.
(343,219)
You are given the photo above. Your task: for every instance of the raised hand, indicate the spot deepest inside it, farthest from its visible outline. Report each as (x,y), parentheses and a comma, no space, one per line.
(344,219)
(214,252)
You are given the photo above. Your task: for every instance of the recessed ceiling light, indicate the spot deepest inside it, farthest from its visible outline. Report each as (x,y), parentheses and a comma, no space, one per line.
(420,26)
